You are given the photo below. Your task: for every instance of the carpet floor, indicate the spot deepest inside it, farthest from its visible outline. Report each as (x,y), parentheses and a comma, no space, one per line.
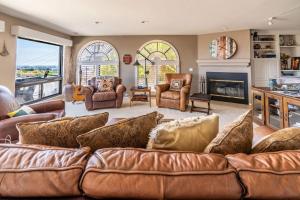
(227,111)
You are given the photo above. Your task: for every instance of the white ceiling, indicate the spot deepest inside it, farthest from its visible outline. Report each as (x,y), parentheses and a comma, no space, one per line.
(165,17)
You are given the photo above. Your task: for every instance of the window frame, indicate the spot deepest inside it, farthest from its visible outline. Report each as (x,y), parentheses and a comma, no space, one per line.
(79,63)
(176,62)
(58,78)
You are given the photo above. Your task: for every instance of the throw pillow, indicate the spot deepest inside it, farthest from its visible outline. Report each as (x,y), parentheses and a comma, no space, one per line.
(235,138)
(284,139)
(132,132)
(106,85)
(24,110)
(190,134)
(176,84)
(59,132)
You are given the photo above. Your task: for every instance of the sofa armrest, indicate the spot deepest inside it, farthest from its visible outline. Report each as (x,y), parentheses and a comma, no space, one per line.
(120,89)
(162,87)
(87,90)
(8,126)
(185,90)
(48,106)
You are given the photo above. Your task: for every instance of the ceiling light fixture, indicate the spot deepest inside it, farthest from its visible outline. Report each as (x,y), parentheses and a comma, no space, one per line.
(270,21)
(144,21)
(98,22)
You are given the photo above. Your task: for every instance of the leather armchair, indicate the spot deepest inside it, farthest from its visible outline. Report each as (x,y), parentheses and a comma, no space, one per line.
(96,100)
(44,111)
(174,99)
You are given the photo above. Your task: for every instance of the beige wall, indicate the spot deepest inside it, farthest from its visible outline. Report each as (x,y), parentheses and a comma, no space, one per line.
(185,45)
(8,63)
(242,39)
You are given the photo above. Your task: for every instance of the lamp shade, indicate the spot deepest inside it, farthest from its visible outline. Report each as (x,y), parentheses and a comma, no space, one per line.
(136,63)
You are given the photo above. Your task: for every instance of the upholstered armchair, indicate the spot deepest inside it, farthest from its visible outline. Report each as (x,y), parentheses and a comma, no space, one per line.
(96,100)
(174,99)
(44,111)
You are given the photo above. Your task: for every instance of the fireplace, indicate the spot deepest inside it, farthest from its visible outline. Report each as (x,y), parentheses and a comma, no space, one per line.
(230,87)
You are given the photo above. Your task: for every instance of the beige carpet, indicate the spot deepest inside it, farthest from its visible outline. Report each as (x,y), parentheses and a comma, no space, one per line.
(227,111)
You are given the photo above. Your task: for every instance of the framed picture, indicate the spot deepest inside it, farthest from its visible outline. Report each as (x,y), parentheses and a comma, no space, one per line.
(295,63)
(127,59)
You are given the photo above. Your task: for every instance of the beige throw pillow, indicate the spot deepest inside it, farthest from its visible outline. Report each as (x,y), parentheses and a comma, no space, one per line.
(106,85)
(235,138)
(59,132)
(284,139)
(176,84)
(190,134)
(132,132)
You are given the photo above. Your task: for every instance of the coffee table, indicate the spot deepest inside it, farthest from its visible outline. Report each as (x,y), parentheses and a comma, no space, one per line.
(144,97)
(200,98)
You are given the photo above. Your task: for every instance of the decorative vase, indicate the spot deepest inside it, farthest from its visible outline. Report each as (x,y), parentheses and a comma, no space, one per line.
(68,92)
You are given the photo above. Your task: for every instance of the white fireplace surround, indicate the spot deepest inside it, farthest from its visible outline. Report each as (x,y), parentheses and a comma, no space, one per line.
(230,65)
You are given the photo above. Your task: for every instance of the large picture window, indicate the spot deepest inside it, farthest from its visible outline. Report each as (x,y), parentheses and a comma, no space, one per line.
(38,70)
(165,58)
(95,59)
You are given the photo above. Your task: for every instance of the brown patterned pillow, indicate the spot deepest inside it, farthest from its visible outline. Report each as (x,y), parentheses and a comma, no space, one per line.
(284,139)
(132,132)
(235,138)
(106,85)
(59,132)
(176,84)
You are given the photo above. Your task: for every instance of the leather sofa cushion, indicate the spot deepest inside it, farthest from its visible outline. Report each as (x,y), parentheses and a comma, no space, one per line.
(157,174)
(40,171)
(283,139)
(132,132)
(189,134)
(269,175)
(59,132)
(175,95)
(104,96)
(234,138)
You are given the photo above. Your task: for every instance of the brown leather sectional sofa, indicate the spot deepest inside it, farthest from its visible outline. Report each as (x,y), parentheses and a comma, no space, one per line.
(51,172)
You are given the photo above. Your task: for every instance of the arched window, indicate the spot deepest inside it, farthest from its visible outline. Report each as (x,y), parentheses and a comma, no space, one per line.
(97,58)
(165,58)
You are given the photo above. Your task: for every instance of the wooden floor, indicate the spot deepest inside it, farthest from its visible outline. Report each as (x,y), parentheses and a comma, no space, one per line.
(260,132)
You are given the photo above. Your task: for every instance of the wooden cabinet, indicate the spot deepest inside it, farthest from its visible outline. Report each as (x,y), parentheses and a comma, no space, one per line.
(274,111)
(291,112)
(258,102)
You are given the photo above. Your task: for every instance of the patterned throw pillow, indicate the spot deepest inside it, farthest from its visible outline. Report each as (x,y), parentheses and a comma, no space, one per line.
(106,85)
(132,132)
(189,134)
(284,139)
(176,84)
(59,132)
(24,110)
(235,137)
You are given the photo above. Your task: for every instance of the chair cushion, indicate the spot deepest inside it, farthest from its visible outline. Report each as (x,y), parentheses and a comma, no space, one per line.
(189,134)
(104,96)
(235,137)
(157,174)
(273,175)
(132,132)
(175,95)
(284,139)
(59,132)
(40,171)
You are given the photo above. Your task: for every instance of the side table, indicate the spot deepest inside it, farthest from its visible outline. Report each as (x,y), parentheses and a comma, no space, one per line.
(145,97)
(200,98)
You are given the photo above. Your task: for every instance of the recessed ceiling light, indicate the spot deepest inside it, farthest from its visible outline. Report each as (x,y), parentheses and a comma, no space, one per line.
(144,21)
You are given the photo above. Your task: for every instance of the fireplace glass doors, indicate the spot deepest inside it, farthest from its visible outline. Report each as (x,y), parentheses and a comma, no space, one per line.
(231,87)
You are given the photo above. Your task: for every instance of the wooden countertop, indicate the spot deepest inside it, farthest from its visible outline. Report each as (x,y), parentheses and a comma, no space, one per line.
(268,90)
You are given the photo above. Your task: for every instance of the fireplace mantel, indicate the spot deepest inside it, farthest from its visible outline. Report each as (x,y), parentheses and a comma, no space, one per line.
(229,62)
